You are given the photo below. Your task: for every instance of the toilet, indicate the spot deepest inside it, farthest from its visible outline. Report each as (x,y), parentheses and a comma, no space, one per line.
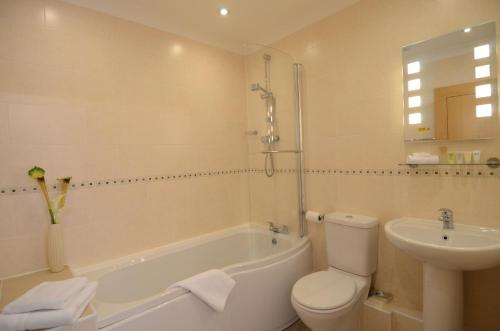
(332,300)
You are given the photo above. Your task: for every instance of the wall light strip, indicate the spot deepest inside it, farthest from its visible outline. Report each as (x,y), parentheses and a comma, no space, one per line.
(483,71)
(481,52)
(485,110)
(413,67)
(483,91)
(415,118)
(414,85)
(415,101)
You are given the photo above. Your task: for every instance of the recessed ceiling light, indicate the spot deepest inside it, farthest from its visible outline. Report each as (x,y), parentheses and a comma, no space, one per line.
(224,11)
(467,30)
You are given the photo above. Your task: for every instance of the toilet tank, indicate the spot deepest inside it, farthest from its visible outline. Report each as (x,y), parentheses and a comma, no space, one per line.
(352,242)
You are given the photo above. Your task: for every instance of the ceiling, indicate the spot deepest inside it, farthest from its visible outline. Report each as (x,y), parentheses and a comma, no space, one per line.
(250,21)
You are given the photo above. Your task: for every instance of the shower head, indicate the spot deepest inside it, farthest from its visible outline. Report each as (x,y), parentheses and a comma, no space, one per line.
(255,87)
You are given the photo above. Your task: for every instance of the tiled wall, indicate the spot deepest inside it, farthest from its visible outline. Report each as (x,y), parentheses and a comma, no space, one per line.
(103,100)
(106,100)
(353,120)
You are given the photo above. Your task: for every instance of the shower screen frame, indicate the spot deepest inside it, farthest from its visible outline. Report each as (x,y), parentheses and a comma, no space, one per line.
(297,80)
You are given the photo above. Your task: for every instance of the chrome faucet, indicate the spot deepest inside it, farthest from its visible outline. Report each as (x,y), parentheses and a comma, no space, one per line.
(278,228)
(447,218)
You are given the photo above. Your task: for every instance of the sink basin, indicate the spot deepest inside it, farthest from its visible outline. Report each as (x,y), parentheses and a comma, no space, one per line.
(466,247)
(445,254)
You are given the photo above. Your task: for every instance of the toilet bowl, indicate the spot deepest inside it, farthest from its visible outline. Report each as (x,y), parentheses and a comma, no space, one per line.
(332,300)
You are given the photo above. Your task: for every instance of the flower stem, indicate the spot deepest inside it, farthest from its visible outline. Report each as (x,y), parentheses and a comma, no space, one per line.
(43,188)
(52,216)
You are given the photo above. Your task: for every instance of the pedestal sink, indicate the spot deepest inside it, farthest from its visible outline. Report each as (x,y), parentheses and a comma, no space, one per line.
(445,254)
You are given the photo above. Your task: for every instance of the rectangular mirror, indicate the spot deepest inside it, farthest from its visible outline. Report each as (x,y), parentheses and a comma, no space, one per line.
(450,86)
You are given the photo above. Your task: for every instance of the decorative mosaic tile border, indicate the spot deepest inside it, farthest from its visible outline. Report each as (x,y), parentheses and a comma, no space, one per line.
(129,180)
(452,171)
(443,171)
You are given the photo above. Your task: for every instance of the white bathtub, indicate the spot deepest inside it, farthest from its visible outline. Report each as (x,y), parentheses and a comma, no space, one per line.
(133,295)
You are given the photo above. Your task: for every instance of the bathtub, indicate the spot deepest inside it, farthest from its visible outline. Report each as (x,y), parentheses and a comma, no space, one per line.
(133,291)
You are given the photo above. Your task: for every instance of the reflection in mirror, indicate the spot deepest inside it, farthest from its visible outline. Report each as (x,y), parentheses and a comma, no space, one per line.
(450,85)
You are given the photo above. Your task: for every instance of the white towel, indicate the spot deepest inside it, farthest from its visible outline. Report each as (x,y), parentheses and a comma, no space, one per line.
(47,295)
(422,159)
(212,287)
(45,319)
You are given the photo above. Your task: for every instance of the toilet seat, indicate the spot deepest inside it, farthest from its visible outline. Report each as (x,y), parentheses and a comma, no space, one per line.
(324,290)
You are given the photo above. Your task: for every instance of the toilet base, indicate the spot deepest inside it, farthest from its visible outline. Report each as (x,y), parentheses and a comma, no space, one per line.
(342,320)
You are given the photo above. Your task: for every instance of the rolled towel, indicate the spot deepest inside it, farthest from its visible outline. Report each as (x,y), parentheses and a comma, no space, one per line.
(422,159)
(212,287)
(47,295)
(45,319)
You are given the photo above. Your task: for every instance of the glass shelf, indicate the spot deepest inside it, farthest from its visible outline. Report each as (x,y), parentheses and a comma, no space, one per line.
(282,151)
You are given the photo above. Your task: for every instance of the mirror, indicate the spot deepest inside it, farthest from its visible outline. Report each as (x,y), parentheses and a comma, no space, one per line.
(450,86)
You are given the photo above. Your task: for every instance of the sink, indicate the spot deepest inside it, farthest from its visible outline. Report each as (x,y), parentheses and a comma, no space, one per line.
(466,247)
(445,254)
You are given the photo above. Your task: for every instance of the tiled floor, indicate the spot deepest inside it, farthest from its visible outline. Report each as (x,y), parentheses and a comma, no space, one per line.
(297,326)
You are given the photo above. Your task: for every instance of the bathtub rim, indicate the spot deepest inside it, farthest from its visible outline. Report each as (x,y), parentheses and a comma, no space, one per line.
(129,260)
(177,293)
(132,308)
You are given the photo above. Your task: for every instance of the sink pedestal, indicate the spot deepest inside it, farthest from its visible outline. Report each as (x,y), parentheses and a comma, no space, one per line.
(443,299)
(445,253)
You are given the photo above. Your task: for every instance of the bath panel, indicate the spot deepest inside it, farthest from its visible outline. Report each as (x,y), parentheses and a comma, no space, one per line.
(133,292)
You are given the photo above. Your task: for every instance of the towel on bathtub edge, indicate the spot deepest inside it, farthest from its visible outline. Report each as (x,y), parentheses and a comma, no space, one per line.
(212,287)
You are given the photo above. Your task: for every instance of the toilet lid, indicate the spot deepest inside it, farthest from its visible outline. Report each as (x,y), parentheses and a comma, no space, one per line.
(324,290)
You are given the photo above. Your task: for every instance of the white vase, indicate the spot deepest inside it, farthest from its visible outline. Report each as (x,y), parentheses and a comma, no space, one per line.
(55,248)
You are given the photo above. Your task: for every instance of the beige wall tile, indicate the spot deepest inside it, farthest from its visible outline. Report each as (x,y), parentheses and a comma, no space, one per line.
(22,254)
(96,97)
(4,124)
(353,120)
(482,298)
(401,322)
(22,12)
(44,125)
(375,319)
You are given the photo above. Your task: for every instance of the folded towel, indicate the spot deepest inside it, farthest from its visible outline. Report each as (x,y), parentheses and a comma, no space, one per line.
(421,154)
(45,319)
(422,159)
(212,287)
(47,295)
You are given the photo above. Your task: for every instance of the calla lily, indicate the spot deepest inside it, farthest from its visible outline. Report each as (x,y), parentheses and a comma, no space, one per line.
(36,172)
(56,205)
(64,190)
